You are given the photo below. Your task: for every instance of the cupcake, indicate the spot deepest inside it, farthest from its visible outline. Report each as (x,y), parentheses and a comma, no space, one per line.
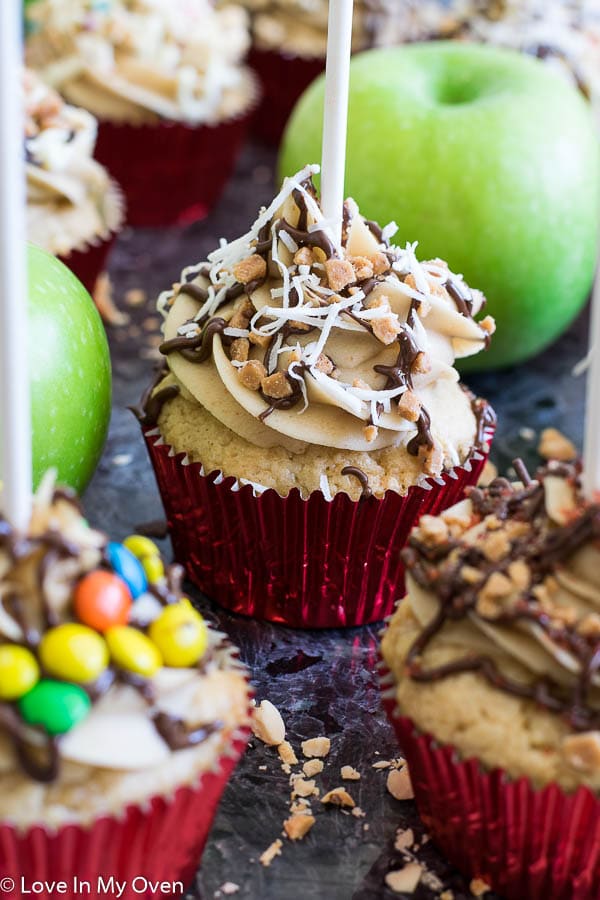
(122,713)
(165,79)
(563,33)
(311,411)
(73,208)
(493,659)
(289,44)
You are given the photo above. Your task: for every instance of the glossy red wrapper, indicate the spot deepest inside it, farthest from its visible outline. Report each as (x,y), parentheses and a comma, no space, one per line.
(527,844)
(87,264)
(306,563)
(171,173)
(283,78)
(161,841)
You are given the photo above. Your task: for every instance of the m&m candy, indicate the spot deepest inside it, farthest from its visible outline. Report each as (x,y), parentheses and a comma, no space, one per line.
(127,567)
(180,633)
(154,568)
(102,600)
(133,651)
(54,705)
(73,652)
(19,671)
(141,546)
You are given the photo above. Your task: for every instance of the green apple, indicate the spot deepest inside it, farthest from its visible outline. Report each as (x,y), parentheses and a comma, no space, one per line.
(70,374)
(488,159)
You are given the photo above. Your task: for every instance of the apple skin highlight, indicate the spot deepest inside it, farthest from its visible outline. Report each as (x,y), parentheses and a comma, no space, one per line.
(489,160)
(70,373)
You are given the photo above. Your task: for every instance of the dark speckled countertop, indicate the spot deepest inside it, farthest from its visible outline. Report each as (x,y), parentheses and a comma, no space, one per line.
(322,682)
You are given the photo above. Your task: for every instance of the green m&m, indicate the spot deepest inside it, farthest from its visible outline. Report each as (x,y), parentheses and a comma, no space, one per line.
(55,706)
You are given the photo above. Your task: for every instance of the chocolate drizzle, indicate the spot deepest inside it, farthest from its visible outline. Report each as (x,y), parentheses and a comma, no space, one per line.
(440,569)
(464,302)
(198,347)
(150,406)
(305,238)
(362,478)
(177,736)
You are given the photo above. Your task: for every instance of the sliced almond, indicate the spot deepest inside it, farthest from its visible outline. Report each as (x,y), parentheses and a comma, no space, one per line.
(267,724)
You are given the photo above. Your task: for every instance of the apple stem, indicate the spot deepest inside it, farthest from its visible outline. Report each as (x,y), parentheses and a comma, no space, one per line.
(335,116)
(15,418)
(591,449)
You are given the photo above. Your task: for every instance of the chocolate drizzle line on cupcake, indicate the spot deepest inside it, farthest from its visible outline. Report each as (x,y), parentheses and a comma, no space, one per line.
(37,750)
(455,571)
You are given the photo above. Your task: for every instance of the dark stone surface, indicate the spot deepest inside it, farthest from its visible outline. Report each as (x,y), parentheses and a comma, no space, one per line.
(323,683)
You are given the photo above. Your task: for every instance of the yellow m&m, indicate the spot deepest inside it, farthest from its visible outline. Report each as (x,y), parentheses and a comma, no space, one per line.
(180,633)
(73,652)
(19,671)
(133,651)
(141,546)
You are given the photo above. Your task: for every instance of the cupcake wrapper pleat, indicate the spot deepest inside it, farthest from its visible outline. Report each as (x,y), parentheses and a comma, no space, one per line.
(306,563)
(161,841)
(526,843)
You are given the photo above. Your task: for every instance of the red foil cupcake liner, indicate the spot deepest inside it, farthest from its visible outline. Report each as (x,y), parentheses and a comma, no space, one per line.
(306,563)
(161,841)
(88,263)
(284,79)
(171,173)
(527,844)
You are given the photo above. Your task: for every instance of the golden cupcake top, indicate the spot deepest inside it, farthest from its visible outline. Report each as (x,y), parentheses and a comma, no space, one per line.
(138,59)
(510,578)
(103,662)
(300,26)
(291,338)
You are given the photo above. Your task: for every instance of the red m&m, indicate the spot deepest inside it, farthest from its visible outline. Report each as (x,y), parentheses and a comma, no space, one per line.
(102,600)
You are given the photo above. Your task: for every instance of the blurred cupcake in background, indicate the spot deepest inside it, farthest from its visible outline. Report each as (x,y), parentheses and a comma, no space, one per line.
(167,82)
(74,209)
(564,33)
(122,712)
(288,52)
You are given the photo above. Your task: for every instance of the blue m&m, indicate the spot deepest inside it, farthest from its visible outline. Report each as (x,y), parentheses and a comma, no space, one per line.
(127,567)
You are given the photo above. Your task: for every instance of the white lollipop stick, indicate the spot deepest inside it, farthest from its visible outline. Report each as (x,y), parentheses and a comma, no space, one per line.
(591,449)
(15,421)
(335,119)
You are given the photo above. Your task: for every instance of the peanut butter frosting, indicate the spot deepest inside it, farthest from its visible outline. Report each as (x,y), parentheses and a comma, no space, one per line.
(563,33)
(144,60)
(299,27)
(503,606)
(71,200)
(291,339)
(113,688)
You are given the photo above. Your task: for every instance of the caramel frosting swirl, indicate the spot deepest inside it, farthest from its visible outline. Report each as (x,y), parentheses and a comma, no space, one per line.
(136,60)
(289,338)
(511,576)
(70,197)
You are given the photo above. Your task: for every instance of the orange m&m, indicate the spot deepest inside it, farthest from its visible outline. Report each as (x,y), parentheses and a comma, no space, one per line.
(102,600)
